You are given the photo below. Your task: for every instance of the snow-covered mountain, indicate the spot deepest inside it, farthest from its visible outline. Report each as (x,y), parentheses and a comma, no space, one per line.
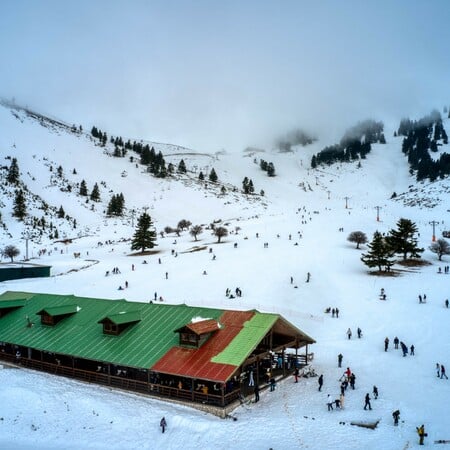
(298,217)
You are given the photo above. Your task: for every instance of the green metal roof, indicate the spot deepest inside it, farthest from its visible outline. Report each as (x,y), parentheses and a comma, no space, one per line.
(247,340)
(12,303)
(80,335)
(123,317)
(60,310)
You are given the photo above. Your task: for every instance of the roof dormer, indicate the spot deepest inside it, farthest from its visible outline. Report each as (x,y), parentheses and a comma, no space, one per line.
(7,306)
(115,323)
(197,333)
(51,316)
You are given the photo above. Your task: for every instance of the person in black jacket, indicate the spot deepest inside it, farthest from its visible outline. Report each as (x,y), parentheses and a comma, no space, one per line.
(163,424)
(320,380)
(396,416)
(367,402)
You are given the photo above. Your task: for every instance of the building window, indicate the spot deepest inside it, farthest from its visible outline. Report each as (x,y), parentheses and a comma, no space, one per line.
(110,328)
(46,319)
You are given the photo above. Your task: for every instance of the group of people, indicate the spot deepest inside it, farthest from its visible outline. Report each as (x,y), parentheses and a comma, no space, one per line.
(334,311)
(403,346)
(237,291)
(446,269)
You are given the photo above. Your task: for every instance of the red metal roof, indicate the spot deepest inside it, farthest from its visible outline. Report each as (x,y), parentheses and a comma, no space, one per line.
(203,326)
(196,362)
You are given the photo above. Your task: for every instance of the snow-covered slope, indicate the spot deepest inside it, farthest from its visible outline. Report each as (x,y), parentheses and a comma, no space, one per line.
(299,218)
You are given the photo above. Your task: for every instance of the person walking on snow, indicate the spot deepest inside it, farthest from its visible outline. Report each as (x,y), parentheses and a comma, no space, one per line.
(352,381)
(340,357)
(375,392)
(349,333)
(163,424)
(404,348)
(296,373)
(396,342)
(396,416)
(367,402)
(411,350)
(438,370)
(359,331)
(256,394)
(329,403)
(386,344)
(320,381)
(443,374)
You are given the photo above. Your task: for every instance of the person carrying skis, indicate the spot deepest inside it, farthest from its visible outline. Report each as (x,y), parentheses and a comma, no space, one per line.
(163,424)
(421,433)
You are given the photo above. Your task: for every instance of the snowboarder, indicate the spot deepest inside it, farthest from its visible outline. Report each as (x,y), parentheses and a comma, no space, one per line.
(367,402)
(359,331)
(256,393)
(320,381)
(411,350)
(443,374)
(163,424)
(421,433)
(340,357)
(396,342)
(396,416)
(375,392)
(349,333)
(404,348)
(386,344)
(329,403)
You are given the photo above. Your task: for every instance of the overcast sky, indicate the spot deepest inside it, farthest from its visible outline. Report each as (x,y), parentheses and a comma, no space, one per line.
(225,74)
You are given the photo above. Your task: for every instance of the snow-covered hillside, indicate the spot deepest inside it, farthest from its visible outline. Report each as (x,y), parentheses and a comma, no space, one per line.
(299,218)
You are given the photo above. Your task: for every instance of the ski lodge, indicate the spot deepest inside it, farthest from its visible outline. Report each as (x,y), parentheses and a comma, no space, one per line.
(204,357)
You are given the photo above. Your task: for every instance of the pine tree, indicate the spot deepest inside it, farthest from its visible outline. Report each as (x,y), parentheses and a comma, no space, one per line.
(271,170)
(61,213)
(145,235)
(13,172)
(245,185)
(19,209)
(213,176)
(59,171)
(83,188)
(313,162)
(95,194)
(201,177)
(379,254)
(403,239)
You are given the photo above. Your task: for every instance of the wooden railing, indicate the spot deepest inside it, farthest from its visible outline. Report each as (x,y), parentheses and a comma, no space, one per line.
(159,390)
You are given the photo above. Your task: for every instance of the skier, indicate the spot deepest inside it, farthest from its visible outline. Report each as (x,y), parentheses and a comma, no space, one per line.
(320,380)
(396,342)
(443,374)
(396,416)
(386,344)
(349,333)
(375,392)
(163,424)
(359,331)
(421,433)
(367,402)
(340,357)
(411,350)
